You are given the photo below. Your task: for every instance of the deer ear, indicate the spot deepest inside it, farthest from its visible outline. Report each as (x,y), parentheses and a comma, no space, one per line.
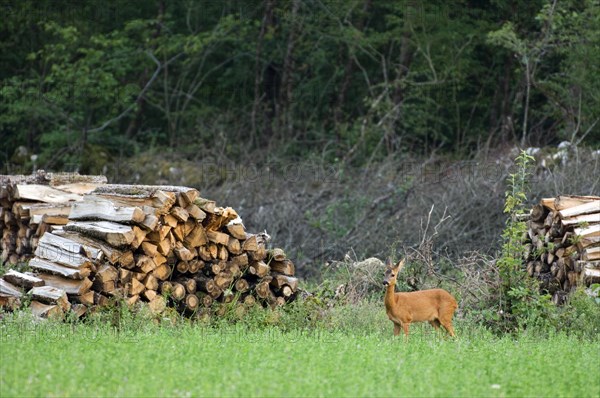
(388,263)
(400,264)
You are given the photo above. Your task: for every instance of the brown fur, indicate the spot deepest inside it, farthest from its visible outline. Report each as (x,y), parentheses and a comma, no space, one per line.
(435,306)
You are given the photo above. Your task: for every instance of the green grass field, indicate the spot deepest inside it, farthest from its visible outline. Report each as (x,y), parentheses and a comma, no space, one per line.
(53,359)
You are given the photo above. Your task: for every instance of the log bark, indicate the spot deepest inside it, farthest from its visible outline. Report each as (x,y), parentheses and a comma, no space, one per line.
(7,288)
(70,286)
(42,310)
(57,269)
(114,234)
(94,208)
(51,295)
(23,280)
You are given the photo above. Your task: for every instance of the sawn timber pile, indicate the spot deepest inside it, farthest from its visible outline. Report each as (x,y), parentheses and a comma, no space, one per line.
(563,243)
(163,245)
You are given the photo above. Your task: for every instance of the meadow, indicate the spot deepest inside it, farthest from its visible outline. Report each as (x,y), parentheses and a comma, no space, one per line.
(352,354)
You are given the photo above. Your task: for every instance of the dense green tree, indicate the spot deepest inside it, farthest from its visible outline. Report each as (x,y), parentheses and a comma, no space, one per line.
(87,83)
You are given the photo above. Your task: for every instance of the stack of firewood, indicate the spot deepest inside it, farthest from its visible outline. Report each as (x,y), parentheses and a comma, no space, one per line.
(32,205)
(162,245)
(563,243)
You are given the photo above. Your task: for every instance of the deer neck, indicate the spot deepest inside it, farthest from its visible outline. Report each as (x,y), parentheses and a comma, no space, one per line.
(389,295)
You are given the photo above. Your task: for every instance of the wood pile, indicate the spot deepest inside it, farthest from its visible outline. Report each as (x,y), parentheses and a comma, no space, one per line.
(31,205)
(162,245)
(563,244)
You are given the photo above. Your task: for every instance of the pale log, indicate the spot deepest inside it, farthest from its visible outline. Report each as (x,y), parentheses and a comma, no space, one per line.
(51,295)
(195,265)
(585,208)
(86,299)
(592,241)
(112,233)
(218,237)
(135,287)
(183,253)
(26,281)
(285,267)
(237,231)
(191,302)
(61,255)
(162,272)
(179,213)
(234,246)
(581,219)
(259,254)
(42,310)
(94,208)
(151,282)
(70,286)
(74,244)
(149,294)
(92,248)
(9,289)
(564,202)
(242,285)
(279,281)
(591,254)
(182,267)
(149,249)
(57,269)
(145,264)
(588,232)
(276,254)
(259,268)
(178,292)
(197,237)
(179,232)
(206,205)
(150,222)
(223,253)
(139,235)
(195,212)
(43,193)
(78,310)
(250,244)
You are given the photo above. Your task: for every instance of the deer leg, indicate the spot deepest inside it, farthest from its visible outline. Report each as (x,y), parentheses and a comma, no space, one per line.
(447,324)
(396,329)
(435,323)
(405,326)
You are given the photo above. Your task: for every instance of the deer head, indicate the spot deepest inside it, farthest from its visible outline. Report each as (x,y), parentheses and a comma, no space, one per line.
(391,273)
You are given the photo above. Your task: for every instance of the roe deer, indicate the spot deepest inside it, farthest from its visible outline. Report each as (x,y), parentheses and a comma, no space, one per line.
(436,306)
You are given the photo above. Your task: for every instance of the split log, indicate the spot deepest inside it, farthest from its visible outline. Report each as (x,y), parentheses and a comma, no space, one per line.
(285,267)
(94,208)
(51,295)
(112,233)
(7,288)
(56,269)
(43,193)
(585,208)
(42,310)
(85,299)
(70,286)
(24,280)
(237,231)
